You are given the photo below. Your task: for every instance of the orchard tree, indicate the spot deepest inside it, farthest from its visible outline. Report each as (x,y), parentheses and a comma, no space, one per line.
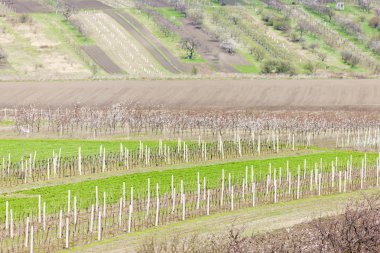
(189,45)
(196,16)
(228,46)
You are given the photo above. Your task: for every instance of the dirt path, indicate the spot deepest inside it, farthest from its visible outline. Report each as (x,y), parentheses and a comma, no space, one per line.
(143,36)
(199,94)
(88,5)
(253,220)
(102,59)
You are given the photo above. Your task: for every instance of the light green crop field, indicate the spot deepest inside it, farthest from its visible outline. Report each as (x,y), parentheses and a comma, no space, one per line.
(25,201)
(44,148)
(171,14)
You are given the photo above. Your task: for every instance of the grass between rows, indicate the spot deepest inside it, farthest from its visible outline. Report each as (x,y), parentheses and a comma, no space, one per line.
(44,148)
(26,200)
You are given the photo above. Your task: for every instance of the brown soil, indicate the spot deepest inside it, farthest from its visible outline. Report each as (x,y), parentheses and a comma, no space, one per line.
(102,59)
(26,6)
(197,94)
(88,4)
(147,40)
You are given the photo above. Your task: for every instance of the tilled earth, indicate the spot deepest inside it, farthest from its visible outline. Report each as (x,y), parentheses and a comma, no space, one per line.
(199,94)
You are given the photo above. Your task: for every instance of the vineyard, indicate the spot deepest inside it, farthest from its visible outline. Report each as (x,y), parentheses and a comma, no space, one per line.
(189,126)
(173,166)
(112,38)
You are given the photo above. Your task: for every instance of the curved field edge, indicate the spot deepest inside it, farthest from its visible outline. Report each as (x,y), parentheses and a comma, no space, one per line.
(56,196)
(253,220)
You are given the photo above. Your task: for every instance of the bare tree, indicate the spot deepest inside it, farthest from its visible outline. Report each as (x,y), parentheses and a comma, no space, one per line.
(329,12)
(302,28)
(365,5)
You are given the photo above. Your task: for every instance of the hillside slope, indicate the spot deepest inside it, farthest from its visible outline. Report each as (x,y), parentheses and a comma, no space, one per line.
(162,38)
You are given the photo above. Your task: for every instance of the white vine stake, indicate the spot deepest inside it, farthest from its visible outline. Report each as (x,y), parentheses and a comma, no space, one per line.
(157,206)
(100,225)
(130,218)
(67,233)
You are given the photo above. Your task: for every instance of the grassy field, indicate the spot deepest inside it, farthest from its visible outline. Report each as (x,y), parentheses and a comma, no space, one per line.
(58,26)
(85,191)
(44,148)
(171,15)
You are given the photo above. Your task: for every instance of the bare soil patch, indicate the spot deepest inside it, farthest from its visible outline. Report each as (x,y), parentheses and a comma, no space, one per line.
(200,94)
(27,6)
(88,4)
(102,59)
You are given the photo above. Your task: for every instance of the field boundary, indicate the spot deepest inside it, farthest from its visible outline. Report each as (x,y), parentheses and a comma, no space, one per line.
(102,59)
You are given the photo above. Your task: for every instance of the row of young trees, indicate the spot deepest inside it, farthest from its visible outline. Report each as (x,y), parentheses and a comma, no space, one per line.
(132,118)
(71,225)
(29,169)
(351,27)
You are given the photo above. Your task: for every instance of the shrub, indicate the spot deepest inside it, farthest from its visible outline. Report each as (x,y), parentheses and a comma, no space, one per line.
(277,67)
(194,70)
(313,46)
(24,19)
(79,26)
(235,19)
(374,44)
(350,26)
(374,22)
(310,67)
(349,58)
(258,53)
(327,11)
(322,56)
(294,37)
(3,56)
(165,31)
(268,18)
(282,24)
(361,19)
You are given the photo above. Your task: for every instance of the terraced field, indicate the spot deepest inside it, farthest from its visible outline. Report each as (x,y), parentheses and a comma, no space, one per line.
(122,48)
